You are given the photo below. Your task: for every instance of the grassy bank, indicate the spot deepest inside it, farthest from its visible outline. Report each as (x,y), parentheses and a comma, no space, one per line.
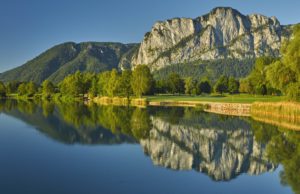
(239,98)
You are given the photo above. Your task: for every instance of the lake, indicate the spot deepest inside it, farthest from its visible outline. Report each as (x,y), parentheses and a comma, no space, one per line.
(75,148)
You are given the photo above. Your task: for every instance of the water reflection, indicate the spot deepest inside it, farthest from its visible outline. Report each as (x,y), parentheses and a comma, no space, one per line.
(222,147)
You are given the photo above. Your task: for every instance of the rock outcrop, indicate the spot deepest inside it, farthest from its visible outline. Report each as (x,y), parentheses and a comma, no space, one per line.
(222,33)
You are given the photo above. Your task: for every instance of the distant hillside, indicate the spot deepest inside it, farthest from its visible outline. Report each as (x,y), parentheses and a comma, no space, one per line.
(61,60)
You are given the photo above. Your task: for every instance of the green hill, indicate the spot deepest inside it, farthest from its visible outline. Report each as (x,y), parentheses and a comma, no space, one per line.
(61,60)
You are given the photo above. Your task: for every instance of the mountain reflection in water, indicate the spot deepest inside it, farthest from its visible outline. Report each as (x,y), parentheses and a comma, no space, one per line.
(222,147)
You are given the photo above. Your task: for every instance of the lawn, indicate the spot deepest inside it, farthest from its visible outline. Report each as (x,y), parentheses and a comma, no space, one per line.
(238,98)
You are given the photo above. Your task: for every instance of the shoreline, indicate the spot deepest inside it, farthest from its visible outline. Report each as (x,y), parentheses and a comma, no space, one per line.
(281,113)
(225,108)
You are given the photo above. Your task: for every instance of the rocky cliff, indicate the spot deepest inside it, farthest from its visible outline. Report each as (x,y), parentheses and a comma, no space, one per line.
(222,154)
(222,33)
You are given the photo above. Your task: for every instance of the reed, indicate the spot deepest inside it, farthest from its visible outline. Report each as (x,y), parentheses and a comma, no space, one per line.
(285,114)
(120,101)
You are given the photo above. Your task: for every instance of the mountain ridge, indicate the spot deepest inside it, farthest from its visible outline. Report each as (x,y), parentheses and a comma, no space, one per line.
(223,33)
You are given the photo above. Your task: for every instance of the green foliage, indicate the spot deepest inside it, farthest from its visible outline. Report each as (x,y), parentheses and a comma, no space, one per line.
(103,79)
(22,89)
(142,80)
(125,84)
(31,89)
(291,51)
(2,90)
(211,69)
(175,83)
(72,85)
(293,92)
(48,88)
(113,84)
(190,86)
(93,90)
(204,87)
(246,86)
(195,87)
(12,87)
(279,76)
(233,85)
(221,85)
(261,89)
(284,74)
(257,79)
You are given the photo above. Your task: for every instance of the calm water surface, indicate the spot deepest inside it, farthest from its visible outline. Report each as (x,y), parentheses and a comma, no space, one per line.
(74,148)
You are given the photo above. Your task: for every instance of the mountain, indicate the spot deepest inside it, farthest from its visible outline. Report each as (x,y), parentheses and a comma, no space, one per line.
(61,60)
(222,33)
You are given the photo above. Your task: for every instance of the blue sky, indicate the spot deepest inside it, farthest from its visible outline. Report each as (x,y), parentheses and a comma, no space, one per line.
(29,27)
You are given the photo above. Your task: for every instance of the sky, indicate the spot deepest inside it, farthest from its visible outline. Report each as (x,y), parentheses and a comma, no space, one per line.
(29,27)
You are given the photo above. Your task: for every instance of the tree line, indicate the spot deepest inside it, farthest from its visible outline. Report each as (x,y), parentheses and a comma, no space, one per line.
(140,82)
(127,83)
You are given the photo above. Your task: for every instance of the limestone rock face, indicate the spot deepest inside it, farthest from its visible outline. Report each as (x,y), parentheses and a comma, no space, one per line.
(222,33)
(222,154)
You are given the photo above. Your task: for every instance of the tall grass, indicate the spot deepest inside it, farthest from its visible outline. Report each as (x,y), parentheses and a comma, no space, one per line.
(119,101)
(285,114)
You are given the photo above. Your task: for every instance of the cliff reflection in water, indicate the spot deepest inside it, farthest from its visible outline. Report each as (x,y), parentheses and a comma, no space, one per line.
(177,138)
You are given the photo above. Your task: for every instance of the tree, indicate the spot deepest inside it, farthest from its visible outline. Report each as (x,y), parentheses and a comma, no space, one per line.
(233,85)
(279,75)
(261,89)
(293,92)
(103,79)
(204,87)
(258,76)
(87,79)
(113,83)
(12,87)
(77,86)
(2,90)
(72,85)
(93,90)
(31,89)
(175,83)
(125,84)
(22,90)
(291,51)
(221,85)
(47,88)
(142,80)
(284,74)
(246,86)
(161,86)
(189,85)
